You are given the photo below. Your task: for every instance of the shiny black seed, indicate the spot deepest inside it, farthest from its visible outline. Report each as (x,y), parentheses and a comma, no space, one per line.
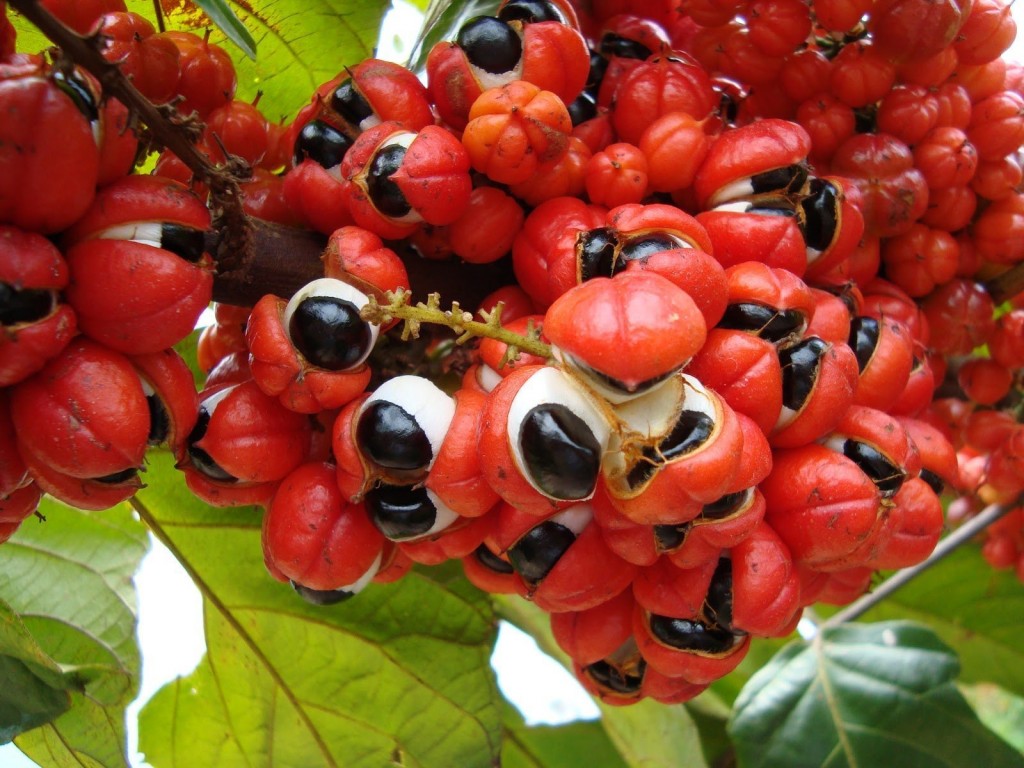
(75,88)
(490,44)
(321,596)
(789,178)
(668,538)
(718,603)
(642,248)
(597,253)
(118,477)
(800,365)
(691,430)
(322,143)
(725,506)
(329,333)
(200,459)
(159,420)
(391,437)
(491,561)
(864,332)
(186,242)
(537,552)
(687,635)
(883,473)
(24,306)
(400,511)
(582,108)
(935,482)
(528,11)
(769,323)
(384,193)
(819,215)
(612,678)
(561,453)
(598,66)
(624,48)
(350,104)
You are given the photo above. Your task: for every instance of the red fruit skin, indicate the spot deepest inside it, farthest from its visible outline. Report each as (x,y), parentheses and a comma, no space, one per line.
(170,378)
(822,505)
(151,63)
(761,146)
(393,93)
(595,633)
(456,476)
(756,283)
(632,328)
(43,137)
(313,537)
(460,539)
(30,261)
(318,197)
(282,371)
(129,314)
(486,229)
(84,414)
(119,145)
(16,507)
(13,473)
(207,76)
(695,667)
(82,15)
(741,237)
(434,176)
(765,585)
(917,523)
(660,85)
(884,374)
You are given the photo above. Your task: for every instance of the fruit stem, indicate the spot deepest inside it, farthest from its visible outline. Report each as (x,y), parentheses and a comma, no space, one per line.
(956,539)
(398,307)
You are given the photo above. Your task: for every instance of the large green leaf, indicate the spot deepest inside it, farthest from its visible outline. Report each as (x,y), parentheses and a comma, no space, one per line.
(863,695)
(647,734)
(546,746)
(973,608)
(399,674)
(70,580)
(999,710)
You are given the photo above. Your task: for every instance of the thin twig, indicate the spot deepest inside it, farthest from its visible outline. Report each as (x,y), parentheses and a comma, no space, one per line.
(958,538)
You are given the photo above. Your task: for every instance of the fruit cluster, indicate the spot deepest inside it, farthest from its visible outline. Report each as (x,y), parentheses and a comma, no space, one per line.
(750,242)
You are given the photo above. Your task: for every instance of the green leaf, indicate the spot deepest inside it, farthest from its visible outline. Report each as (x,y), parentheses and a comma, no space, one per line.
(647,734)
(863,695)
(398,675)
(546,746)
(70,579)
(973,608)
(221,15)
(1000,710)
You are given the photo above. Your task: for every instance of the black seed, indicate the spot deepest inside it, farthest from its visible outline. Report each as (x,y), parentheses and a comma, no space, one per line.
(529,11)
(384,193)
(789,178)
(623,47)
(800,364)
(490,44)
(75,88)
(598,67)
(771,324)
(329,333)
(883,473)
(159,420)
(642,248)
(687,635)
(186,242)
(401,511)
(321,596)
(621,386)
(725,506)
(718,603)
(491,561)
(200,459)
(613,678)
(561,453)
(691,430)
(322,143)
(935,482)
(668,538)
(597,251)
(116,478)
(391,437)
(537,552)
(350,104)
(582,108)
(819,215)
(24,306)
(864,332)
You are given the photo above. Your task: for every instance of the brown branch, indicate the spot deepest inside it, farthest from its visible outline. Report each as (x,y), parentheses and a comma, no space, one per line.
(165,125)
(1005,286)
